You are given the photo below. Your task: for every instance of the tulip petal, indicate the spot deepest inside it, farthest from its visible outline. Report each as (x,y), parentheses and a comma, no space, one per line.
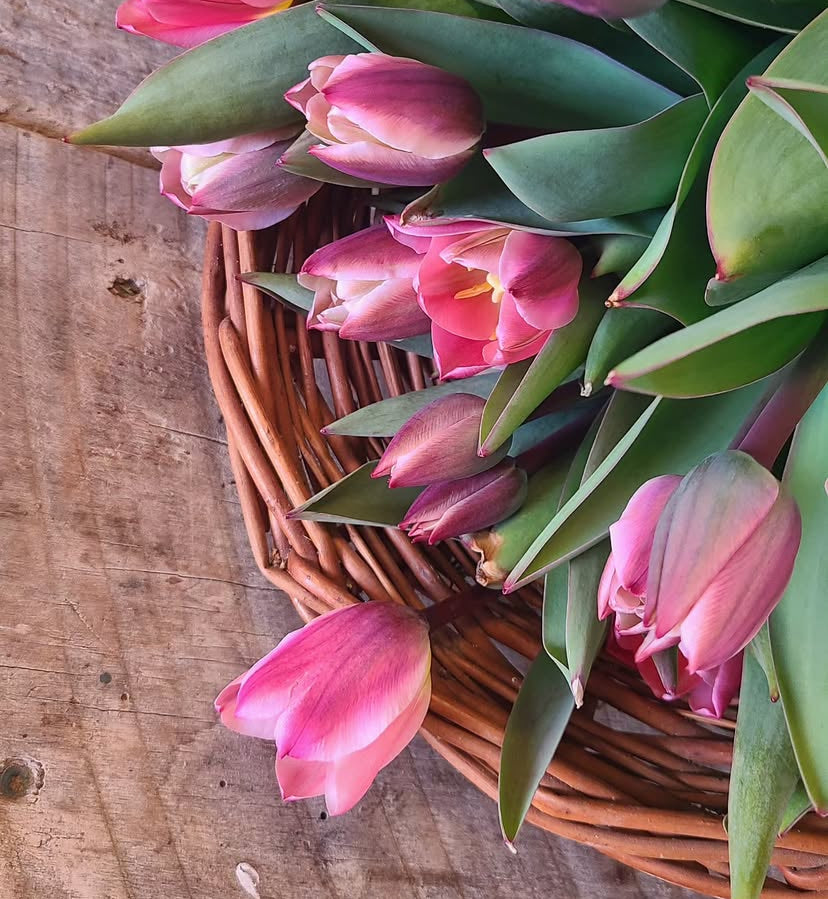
(541,273)
(714,511)
(225,705)
(369,255)
(170,177)
(349,778)
(439,283)
(479,250)
(300,779)
(388,312)
(407,105)
(516,338)
(737,603)
(382,659)
(457,357)
(632,534)
(614,9)
(385,165)
(712,696)
(607,587)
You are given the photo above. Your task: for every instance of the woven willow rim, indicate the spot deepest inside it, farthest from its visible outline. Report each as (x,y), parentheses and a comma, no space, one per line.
(640,781)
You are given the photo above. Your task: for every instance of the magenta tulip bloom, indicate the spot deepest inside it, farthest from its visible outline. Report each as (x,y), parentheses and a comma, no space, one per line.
(236,182)
(363,287)
(707,693)
(493,294)
(453,508)
(614,9)
(388,119)
(438,443)
(701,561)
(187,23)
(341,697)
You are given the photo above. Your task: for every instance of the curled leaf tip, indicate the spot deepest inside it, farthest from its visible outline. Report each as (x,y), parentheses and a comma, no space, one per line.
(586,390)
(510,846)
(577,686)
(614,379)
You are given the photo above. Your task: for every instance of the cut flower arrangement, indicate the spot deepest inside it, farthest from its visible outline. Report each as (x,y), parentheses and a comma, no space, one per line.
(517,314)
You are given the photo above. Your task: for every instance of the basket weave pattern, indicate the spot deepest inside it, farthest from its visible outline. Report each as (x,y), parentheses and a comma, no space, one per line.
(643,782)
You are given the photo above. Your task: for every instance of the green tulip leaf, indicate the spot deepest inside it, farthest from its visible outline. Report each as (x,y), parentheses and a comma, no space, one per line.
(359,499)
(669,437)
(525,77)
(672,273)
(762,781)
(799,805)
(620,333)
(789,16)
(576,175)
(737,345)
(617,253)
(231,85)
(385,418)
(799,625)
(477,194)
(709,48)
(534,730)
(620,45)
(802,105)
(553,630)
(523,386)
(290,292)
(768,190)
(760,646)
(585,633)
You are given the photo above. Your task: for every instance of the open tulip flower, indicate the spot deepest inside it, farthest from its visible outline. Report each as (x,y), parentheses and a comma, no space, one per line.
(187,23)
(493,294)
(363,287)
(438,443)
(388,119)
(341,697)
(452,508)
(700,562)
(236,182)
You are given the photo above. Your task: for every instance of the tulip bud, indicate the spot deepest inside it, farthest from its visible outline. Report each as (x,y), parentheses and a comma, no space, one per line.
(614,9)
(235,182)
(341,697)
(388,119)
(363,287)
(723,553)
(452,508)
(438,443)
(187,23)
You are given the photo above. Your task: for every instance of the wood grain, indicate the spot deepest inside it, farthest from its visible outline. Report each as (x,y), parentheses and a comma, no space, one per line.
(129,594)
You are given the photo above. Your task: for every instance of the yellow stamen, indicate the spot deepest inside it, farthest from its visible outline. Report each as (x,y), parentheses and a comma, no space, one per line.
(497,287)
(474,291)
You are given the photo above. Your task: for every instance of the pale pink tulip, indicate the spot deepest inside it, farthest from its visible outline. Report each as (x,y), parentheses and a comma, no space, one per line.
(187,23)
(363,287)
(722,555)
(438,443)
(614,9)
(707,693)
(389,119)
(453,508)
(700,562)
(341,697)
(236,182)
(493,294)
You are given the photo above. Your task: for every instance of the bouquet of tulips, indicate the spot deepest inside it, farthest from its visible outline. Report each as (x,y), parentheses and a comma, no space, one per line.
(607,223)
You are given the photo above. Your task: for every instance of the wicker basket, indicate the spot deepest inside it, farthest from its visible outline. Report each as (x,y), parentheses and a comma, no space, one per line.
(643,782)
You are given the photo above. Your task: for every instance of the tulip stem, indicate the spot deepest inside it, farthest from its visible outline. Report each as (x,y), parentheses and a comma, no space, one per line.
(454,606)
(776,422)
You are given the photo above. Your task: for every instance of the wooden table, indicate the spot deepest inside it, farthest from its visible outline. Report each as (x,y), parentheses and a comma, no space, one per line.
(129,594)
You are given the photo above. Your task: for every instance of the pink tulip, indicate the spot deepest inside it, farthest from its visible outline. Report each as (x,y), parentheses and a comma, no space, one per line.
(187,23)
(341,697)
(452,508)
(236,182)
(363,287)
(614,9)
(438,443)
(707,693)
(701,561)
(388,119)
(493,294)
